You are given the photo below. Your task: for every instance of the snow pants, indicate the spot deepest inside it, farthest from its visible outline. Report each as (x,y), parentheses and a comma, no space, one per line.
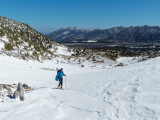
(60,82)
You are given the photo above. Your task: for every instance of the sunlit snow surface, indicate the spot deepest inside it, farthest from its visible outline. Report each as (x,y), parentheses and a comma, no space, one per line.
(131,92)
(1,45)
(4,38)
(62,51)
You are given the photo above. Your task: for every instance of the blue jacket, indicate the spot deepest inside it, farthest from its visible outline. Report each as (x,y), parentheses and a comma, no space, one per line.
(60,74)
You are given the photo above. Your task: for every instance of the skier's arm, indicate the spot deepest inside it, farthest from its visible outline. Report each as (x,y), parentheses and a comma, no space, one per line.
(64,74)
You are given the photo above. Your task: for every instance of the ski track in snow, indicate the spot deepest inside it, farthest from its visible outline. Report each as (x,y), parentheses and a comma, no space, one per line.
(120,93)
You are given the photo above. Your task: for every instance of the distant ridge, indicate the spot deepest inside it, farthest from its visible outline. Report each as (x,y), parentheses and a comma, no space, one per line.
(137,34)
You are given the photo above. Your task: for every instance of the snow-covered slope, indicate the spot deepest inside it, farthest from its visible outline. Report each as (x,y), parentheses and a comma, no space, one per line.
(21,41)
(116,93)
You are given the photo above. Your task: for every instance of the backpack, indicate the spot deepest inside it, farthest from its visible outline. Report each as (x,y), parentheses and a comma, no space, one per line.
(57,77)
(58,71)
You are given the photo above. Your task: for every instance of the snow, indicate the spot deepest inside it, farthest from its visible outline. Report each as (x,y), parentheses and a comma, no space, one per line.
(61,50)
(129,60)
(4,38)
(90,41)
(119,93)
(1,45)
(66,32)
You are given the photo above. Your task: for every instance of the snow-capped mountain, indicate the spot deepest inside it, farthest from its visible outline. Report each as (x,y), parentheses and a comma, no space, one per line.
(143,34)
(74,34)
(20,40)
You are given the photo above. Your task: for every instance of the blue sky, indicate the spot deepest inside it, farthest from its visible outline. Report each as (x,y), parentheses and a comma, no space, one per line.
(50,15)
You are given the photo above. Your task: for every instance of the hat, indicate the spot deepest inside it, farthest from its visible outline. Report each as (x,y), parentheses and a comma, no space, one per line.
(61,68)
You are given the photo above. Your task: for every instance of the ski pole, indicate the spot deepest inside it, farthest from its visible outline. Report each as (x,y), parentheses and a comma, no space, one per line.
(66,83)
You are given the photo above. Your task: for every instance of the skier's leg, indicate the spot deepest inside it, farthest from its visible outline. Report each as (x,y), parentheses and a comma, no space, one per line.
(62,82)
(59,83)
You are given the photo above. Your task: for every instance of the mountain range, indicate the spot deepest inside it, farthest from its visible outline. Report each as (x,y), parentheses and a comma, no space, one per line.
(137,34)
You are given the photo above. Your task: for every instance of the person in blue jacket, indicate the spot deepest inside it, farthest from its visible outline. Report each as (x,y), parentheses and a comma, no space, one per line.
(59,76)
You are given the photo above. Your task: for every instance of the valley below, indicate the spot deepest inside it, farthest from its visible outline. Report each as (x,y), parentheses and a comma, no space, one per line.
(114,45)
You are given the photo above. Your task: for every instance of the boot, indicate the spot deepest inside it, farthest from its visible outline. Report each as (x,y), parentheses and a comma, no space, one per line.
(61,87)
(58,86)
